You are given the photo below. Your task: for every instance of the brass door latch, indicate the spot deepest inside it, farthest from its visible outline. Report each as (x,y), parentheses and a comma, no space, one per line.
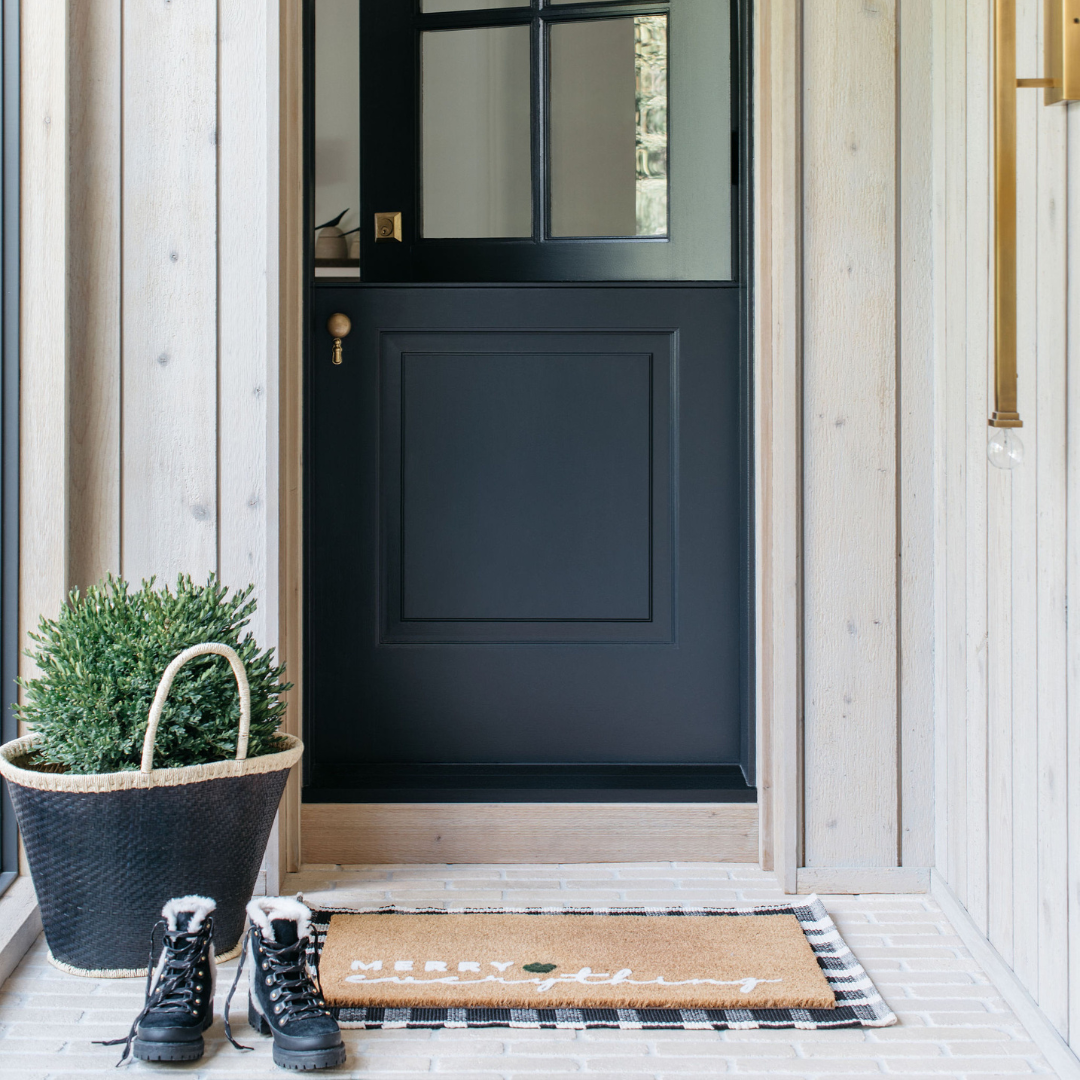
(388,227)
(338,326)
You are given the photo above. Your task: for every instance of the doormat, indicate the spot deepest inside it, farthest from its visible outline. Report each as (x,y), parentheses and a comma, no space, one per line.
(776,965)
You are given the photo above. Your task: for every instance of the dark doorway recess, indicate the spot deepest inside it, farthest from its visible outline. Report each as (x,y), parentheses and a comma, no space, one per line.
(527,489)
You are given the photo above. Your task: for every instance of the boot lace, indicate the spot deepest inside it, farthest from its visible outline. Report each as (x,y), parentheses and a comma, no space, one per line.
(175,986)
(293,993)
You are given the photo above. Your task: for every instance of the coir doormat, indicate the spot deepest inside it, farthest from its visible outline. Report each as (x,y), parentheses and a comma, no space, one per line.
(777,965)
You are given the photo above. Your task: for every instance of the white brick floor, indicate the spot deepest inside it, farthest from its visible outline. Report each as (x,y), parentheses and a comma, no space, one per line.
(953,1023)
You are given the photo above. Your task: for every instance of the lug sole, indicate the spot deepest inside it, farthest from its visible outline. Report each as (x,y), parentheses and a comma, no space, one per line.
(298,1060)
(165,1051)
(305,1060)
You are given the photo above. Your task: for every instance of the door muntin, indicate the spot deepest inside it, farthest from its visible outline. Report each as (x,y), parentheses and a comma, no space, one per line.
(670,131)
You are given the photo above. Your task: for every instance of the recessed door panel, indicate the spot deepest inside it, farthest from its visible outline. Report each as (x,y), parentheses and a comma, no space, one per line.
(525,486)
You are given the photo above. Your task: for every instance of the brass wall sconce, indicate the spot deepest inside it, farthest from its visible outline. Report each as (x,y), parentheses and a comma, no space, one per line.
(1061,62)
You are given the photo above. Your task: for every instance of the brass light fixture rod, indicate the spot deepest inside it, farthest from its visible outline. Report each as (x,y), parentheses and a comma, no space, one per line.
(1005,414)
(1061,63)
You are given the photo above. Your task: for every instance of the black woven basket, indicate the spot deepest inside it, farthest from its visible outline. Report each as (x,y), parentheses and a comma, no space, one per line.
(107,851)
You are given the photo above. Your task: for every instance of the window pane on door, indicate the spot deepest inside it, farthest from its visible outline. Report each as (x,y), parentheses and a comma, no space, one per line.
(609,127)
(476,178)
(337,137)
(609,145)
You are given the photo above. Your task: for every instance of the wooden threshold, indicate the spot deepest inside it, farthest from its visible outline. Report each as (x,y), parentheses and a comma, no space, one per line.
(354,833)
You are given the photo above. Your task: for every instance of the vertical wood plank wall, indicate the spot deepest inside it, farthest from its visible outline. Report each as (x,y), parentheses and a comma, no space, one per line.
(867,439)
(1008,542)
(173,296)
(849,434)
(777,172)
(43,406)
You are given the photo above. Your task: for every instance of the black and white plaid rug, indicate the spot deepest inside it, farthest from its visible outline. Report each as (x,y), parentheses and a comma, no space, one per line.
(858,1004)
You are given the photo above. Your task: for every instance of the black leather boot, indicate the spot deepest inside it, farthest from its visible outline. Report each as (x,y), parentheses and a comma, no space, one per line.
(179,988)
(282,999)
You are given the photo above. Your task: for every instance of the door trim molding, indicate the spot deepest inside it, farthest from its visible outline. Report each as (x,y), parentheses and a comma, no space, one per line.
(291,398)
(362,833)
(776,157)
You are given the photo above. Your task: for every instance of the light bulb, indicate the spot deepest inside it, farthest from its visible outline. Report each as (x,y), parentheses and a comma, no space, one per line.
(1005,450)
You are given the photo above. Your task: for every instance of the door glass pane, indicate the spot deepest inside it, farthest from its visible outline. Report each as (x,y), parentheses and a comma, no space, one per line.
(477,155)
(337,137)
(609,146)
(427,6)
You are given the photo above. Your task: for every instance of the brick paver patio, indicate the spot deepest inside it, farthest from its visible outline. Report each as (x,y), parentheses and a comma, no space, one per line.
(953,1023)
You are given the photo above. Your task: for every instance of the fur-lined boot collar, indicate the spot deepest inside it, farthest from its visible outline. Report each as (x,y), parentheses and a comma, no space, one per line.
(263,910)
(199,906)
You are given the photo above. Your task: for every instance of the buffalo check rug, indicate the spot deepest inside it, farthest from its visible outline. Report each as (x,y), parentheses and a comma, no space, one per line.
(595,967)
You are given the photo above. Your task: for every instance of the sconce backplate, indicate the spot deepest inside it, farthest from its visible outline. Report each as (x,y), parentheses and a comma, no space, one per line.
(1061,50)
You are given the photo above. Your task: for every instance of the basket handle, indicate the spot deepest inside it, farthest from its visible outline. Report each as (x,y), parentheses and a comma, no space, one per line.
(166,684)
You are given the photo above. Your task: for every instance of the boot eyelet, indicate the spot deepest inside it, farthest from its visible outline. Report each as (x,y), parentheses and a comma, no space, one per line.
(278,1008)
(265,966)
(274,995)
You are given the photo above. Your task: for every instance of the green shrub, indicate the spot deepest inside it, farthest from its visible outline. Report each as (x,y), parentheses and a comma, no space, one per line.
(101,662)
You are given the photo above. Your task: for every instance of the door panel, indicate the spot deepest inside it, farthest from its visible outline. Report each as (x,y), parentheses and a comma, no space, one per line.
(523,544)
(526,493)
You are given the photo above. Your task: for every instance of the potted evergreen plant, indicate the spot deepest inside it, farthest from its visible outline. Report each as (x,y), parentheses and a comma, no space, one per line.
(153,769)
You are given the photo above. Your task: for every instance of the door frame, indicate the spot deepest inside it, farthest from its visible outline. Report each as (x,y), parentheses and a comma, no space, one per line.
(775,511)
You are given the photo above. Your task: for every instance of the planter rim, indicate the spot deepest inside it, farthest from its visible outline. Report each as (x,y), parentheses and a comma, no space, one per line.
(91,783)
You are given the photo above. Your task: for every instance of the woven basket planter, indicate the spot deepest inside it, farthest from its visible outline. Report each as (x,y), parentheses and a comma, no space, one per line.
(107,850)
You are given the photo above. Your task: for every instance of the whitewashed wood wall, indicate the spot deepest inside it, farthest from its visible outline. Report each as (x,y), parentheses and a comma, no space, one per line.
(156,451)
(172,320)
(845,428)
(1008,542)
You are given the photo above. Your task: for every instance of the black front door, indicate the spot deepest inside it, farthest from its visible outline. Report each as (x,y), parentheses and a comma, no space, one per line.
(526,497)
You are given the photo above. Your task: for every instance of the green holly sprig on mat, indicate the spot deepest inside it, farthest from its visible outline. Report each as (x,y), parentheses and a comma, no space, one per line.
(101,662)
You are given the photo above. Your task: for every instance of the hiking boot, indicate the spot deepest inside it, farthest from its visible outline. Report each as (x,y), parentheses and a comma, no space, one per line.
(179,988)
(282,999)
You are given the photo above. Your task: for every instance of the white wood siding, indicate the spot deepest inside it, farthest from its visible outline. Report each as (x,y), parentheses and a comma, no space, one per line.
(43,412)
(1008,813)
(849,433)
(172,264)
(172,274)
(856,311)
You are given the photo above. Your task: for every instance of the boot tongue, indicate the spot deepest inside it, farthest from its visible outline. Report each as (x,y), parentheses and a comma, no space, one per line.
(284,931)
(183,920)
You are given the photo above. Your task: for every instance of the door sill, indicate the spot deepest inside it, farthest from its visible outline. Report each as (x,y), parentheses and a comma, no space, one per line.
(522,832)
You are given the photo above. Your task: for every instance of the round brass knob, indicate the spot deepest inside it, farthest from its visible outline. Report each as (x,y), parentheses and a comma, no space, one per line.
(338,325)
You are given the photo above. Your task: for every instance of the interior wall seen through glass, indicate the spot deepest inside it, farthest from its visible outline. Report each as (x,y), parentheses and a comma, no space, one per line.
(608,136)
(337,123)
(477,160)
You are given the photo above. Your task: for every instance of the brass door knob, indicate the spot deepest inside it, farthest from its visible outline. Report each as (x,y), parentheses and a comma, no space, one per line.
(338,326)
